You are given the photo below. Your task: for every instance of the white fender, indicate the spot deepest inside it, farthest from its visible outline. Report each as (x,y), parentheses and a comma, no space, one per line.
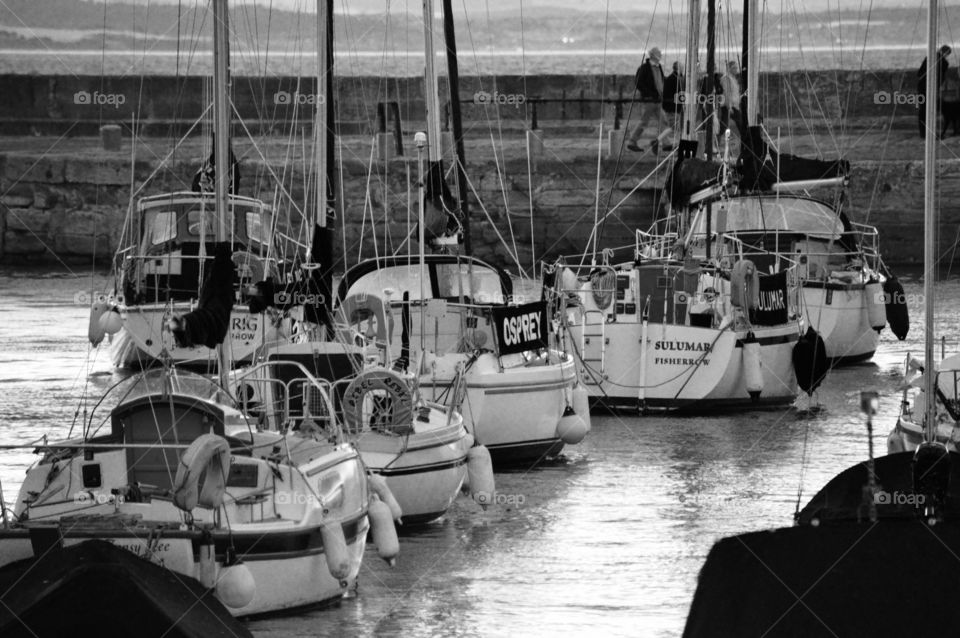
(575,422)
(378,485)
(111,321)
(876,305)
(335,550)
(752,372)
(236,586)
(480,473)
(208,455)
(383,531)
(95,331)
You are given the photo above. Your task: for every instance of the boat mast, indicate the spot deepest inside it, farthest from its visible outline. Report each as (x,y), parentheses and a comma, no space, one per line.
(432,95)
(929,221)
(456,120)
(689,130)
(711,89)
(321,125)
(223,171)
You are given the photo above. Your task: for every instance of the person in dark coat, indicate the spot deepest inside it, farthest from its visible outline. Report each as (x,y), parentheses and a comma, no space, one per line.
(943,65)
(649,86)
(674,85)
(950,102)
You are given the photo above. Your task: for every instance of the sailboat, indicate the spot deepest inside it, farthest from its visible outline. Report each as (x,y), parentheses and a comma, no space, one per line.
(164,252)
(873,552)
(675,329)
(419,448)
(169,467)
(521,398)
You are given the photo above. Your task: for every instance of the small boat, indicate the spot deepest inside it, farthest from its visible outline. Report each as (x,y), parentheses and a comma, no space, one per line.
(908,434)
(95,588)
(419,447)
(517,394)
(291,508)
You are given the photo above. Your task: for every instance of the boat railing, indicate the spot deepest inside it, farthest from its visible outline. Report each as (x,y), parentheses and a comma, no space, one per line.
(853,248)
(315,395)
(732,247)
(654,246)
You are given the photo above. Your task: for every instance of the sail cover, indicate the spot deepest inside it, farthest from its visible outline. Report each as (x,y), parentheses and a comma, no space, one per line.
(690,175)
(761,166)
(441,214)
(208,324)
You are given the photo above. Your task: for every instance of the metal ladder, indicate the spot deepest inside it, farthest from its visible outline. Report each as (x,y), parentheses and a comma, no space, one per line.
(593,344)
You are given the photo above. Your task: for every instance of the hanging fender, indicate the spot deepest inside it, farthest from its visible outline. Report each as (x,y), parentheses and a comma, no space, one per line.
(209,457)
(744,285)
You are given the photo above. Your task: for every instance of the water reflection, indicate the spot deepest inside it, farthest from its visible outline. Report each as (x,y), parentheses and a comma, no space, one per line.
(608,541)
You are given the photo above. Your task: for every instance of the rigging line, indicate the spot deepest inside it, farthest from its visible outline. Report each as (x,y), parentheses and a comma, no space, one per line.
(617,164)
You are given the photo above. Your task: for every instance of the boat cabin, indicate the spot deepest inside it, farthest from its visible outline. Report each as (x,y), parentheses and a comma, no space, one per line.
(767,228)
(174,235)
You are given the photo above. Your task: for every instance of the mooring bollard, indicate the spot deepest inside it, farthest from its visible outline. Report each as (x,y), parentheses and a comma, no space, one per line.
(110,137)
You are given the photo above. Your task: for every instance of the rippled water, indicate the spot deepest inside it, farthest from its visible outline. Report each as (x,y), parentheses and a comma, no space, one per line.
(607,541)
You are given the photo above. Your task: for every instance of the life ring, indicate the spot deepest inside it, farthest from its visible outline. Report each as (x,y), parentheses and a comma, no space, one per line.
(357,308)
(602,285)
(393,395)
(208,457)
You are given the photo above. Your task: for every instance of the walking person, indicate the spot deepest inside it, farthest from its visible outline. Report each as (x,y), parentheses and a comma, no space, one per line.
(649,81)
(730,89)
(943,65)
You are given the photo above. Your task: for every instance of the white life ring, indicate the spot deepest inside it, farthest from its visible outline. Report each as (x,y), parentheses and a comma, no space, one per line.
(399,402)
(207,456)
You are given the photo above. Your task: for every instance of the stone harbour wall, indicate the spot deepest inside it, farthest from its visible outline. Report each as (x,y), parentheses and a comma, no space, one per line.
(70,208)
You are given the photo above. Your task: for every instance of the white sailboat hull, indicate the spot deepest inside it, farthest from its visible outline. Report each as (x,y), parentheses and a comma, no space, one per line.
(838,312)
(144,337)
(686,366)
(514,410)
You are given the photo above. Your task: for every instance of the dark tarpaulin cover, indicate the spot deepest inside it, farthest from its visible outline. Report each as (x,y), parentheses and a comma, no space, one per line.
(320,283)
(97,589)
(759,164)
(690,175)
(441,213)
(843,577)
(208,324)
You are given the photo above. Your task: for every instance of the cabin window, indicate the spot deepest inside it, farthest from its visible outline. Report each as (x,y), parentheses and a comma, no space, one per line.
(160,226)
(397,279)
(200,219)
(256,230)
(454,280)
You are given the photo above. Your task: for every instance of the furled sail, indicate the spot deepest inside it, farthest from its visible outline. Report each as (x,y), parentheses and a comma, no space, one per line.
(208,324)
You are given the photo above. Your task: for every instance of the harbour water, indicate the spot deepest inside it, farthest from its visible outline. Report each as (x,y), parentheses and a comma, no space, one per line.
(606,541)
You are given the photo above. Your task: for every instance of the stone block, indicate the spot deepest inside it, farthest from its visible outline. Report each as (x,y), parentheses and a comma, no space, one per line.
(29,220)
(97,170)
(48,169)
(17,195)
(17,243)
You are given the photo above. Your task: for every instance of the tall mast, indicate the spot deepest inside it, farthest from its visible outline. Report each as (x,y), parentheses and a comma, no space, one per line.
(432,95)
(689,130)
(321,123)
(751,63)
(221,115)
(929,223)
(223,171)
(453,79)
(711,74)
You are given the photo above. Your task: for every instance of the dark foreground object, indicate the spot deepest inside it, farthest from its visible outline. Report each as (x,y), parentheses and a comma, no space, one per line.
(834,576)
(96,589)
